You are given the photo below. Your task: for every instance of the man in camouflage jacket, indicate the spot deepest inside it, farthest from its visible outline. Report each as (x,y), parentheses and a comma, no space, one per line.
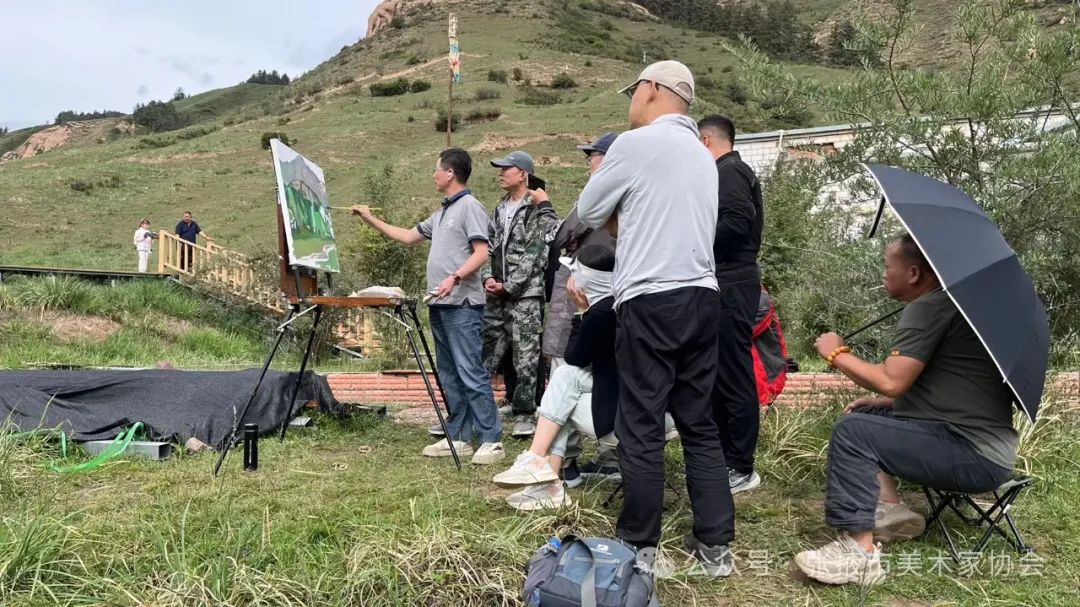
(522,225)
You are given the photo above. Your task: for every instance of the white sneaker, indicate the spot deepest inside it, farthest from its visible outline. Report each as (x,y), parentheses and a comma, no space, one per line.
(506,410)
(488,453)
(442,449)
(842,562)
(548,496)
(528,469)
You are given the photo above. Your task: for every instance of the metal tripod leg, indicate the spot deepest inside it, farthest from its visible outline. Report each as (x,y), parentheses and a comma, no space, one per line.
(427,381)
(300,377)
(431,361)
(240,419)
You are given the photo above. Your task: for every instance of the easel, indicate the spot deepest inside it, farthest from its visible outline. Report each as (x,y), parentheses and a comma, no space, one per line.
(299,286)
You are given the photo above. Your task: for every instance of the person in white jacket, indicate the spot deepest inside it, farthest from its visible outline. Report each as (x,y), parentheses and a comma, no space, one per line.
(144,238)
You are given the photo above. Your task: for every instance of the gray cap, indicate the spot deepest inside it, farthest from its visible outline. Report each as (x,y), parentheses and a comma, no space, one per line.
(517,159)
(669,74)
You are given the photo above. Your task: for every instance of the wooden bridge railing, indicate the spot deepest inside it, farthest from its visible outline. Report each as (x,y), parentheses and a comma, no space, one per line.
(232,272)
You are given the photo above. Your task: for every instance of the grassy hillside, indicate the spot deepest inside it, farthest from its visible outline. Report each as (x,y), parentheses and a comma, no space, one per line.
(225,177)
(218,103)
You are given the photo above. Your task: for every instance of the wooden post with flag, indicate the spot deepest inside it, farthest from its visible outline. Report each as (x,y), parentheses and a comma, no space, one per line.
(455,76)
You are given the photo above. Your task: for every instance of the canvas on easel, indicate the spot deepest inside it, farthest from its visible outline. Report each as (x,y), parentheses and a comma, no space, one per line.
(305,210)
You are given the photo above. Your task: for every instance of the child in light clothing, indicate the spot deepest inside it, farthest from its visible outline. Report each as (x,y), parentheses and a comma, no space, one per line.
(143,240)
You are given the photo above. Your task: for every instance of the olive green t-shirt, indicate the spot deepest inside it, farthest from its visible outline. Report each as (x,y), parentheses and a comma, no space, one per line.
(960,385)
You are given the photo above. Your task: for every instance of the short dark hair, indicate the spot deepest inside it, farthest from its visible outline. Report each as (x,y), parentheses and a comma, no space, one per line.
(721,124)
(186,213)
(597,257)
(458,161)
(911,253)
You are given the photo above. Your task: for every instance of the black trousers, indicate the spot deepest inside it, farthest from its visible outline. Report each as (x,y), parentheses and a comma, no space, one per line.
(871,439)
(666,354)
(735,399)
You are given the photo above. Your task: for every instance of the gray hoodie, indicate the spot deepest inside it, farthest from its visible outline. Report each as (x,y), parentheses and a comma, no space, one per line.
(661,183)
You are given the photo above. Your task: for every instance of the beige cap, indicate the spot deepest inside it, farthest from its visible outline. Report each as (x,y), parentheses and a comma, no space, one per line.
(671,74)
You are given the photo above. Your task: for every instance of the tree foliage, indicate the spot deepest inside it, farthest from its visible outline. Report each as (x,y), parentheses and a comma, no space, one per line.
(73,116)
(264,77)
(1003,127)
(158,116)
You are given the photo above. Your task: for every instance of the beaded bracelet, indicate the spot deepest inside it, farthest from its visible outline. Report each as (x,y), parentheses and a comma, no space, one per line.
(835,353)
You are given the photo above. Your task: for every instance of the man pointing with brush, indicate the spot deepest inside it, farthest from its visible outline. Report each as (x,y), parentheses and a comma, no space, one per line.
(458,232)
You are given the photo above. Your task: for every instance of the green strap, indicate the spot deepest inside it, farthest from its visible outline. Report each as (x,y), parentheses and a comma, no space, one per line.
(114,450)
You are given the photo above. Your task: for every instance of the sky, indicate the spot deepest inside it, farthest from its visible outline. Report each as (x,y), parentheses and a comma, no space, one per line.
(86,55)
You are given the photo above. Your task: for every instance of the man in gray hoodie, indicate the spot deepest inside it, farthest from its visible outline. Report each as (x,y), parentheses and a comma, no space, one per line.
(658,189)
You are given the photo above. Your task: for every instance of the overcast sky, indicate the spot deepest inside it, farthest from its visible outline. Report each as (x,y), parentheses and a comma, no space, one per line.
(88,55)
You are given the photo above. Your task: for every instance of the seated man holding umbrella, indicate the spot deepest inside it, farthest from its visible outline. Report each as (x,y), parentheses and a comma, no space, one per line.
(944,421)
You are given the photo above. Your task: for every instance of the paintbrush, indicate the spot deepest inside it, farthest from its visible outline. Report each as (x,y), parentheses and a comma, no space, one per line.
(350,208)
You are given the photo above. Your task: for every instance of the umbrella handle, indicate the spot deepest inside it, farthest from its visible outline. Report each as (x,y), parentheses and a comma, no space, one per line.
(873,323)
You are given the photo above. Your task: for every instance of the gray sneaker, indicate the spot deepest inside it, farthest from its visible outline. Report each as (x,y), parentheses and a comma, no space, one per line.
(743,482)
(713,561)
(506,410)
(842,562)
(436,430)
(897,523)
(524,426)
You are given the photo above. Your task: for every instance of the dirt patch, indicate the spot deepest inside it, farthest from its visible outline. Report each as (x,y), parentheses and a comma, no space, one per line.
(493,142)
(420,416)
(175,326)
(76,327)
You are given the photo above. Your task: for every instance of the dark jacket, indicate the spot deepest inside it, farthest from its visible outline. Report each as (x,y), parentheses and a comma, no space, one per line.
(738,225)
(593,344)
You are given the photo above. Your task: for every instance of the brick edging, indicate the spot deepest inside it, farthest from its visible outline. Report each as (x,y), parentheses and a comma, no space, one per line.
(407,387)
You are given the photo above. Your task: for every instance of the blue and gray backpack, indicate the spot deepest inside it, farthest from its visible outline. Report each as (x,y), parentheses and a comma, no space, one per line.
(588,572)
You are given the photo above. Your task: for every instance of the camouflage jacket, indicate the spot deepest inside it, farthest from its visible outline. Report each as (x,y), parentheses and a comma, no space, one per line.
(520,261)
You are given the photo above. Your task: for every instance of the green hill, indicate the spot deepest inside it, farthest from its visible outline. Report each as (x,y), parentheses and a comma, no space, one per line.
(77,205)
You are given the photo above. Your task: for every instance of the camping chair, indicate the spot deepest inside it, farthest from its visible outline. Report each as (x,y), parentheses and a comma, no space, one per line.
(668,472)
(1004,496)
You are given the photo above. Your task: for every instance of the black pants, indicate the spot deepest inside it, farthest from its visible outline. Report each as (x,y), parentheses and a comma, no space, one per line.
(870,440)
(735,399)
(187,252)
(666,354)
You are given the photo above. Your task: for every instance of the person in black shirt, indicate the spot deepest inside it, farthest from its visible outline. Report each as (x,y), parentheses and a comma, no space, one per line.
(582,394)
(738,239)
(189,230)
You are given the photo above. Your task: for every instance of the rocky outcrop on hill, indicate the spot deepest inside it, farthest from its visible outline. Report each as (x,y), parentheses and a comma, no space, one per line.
(383,16)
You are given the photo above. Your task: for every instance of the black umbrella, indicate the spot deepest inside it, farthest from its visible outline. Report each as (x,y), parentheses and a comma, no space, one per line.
(980,273)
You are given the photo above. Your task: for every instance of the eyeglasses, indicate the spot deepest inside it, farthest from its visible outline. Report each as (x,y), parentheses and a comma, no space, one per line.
(589,158)
(633,88)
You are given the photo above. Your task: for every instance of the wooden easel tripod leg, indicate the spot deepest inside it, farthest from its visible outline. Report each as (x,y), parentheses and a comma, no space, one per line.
(227,445)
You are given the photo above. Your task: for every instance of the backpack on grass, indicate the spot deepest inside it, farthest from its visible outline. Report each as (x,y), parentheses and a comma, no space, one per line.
(588,572)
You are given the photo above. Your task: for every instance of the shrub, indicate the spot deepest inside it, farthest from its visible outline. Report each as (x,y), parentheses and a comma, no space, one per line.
(517,74)
(157,116)
(391,88)
(499,76)
(588,63)
(563,81)
(414,60)
(87,185)
(156,142)
(283,121)
(266,137)
(410,119)
(483,115)
(398,22)
(487,94)
(440,121)
(531,95)
(419,86)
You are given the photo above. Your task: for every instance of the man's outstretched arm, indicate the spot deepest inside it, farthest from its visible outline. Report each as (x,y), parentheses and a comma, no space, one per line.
(406,236)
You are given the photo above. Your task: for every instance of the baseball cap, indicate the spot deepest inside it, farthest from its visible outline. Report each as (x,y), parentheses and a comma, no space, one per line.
(602,143)
(517,159)
(670,74)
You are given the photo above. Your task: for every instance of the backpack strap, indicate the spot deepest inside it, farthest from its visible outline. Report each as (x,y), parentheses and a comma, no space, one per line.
(588,583)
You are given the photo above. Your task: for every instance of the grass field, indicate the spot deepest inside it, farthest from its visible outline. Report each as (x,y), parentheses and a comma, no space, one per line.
(349,513)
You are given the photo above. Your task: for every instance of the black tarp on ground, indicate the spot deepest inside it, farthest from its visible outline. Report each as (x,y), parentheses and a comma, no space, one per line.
(173,405)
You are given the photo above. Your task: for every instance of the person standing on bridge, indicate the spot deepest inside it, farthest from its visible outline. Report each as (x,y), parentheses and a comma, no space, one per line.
(189,230)
(144,238)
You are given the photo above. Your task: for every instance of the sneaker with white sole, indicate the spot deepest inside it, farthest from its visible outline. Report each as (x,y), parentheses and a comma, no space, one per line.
(436,430)
(571,476)
(528,469)
(596,471)
(740,482)
(548,496)
(442,449)
(524,426)
(842,562)
(897,523)
(488,453)
(506,410)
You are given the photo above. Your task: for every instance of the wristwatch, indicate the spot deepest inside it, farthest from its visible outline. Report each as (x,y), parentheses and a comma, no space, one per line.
(457,279)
